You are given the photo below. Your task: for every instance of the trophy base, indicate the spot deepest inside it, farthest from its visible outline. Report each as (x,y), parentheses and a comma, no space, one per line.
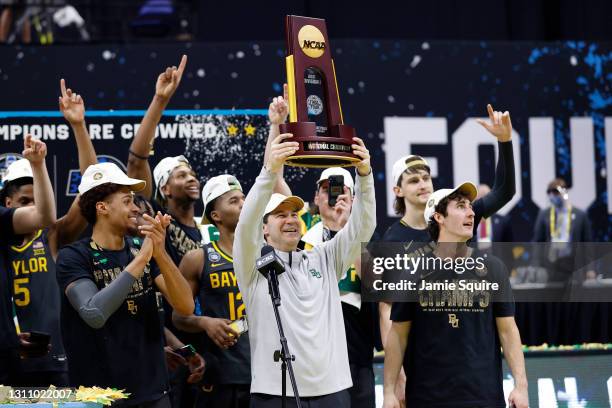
(321,151)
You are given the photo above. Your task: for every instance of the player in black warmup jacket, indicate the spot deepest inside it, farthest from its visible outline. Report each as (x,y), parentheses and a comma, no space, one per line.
(413,186)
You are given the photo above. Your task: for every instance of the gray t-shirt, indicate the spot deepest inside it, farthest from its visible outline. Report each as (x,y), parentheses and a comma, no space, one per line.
(310,310)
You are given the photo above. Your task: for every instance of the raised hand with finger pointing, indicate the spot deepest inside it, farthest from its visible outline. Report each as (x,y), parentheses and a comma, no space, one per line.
(500,125)
(169,80)
(71,105)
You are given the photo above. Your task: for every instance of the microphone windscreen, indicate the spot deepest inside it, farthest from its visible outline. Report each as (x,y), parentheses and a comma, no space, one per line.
(266,250)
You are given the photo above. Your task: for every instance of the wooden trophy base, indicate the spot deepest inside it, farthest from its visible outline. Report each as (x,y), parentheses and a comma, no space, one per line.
(321,151)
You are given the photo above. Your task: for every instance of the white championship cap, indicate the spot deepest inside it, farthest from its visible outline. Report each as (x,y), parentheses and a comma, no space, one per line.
(102,173)
(467,188)
(18,169)
(338,171)
(161,172)
(216,187)
(406,162)
(294,203)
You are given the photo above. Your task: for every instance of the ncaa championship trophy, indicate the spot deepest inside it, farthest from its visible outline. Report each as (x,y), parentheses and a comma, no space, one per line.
(315,115)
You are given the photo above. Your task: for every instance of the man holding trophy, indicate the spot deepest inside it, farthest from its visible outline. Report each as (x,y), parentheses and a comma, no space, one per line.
(307,281)
(311,308)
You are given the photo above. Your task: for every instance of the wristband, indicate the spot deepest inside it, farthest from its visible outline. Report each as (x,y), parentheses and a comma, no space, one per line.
(138,156)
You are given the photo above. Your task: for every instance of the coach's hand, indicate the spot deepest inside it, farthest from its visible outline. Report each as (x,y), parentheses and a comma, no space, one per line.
(280,151)
(169,80)
(500,126)
(519,398)
(220,332)
(359,149)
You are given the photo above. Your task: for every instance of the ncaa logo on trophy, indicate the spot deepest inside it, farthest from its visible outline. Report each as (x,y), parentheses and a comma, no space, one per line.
(315,114)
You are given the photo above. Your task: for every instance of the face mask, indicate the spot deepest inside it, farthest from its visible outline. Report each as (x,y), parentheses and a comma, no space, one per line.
(556,200)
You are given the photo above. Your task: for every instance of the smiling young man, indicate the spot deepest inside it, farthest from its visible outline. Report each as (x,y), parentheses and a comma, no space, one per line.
(210,273)
(172,187)
(177,187)
(311,312)
(110,312)
(450,345)
(413,185)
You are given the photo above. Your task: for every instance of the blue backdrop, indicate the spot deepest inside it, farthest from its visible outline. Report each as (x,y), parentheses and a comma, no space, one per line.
(402,96)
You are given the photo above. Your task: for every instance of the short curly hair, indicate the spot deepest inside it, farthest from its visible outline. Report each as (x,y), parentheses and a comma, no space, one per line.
(88,200)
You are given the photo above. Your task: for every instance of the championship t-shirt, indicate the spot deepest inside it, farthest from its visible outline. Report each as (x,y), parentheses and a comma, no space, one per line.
(127,352)
(453,357)
(180,238)
(399,231)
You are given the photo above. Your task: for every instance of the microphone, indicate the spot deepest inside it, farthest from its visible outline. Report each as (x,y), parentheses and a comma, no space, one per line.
(270,266)
(269,261)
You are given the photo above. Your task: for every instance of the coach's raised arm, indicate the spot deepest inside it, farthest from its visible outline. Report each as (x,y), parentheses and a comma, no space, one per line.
(311,311)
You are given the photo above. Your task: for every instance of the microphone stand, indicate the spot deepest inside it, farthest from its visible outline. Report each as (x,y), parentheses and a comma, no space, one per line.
(283,354)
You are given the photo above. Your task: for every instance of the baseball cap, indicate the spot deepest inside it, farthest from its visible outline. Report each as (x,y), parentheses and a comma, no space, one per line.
(216,187)
(161,172)
(102,173)
(338,171)
(18,169)
(406,162)
(467,188)
(277,199)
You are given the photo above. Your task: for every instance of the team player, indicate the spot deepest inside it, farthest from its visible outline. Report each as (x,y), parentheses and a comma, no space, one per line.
(110,312)
(35,291)
(194,363)
(210,273)
(177,187)
(450,345)
(175,191)
(14,223)
(413,186)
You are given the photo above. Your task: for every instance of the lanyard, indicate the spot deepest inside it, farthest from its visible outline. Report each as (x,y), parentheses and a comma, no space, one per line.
(553,226)
(485,231)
